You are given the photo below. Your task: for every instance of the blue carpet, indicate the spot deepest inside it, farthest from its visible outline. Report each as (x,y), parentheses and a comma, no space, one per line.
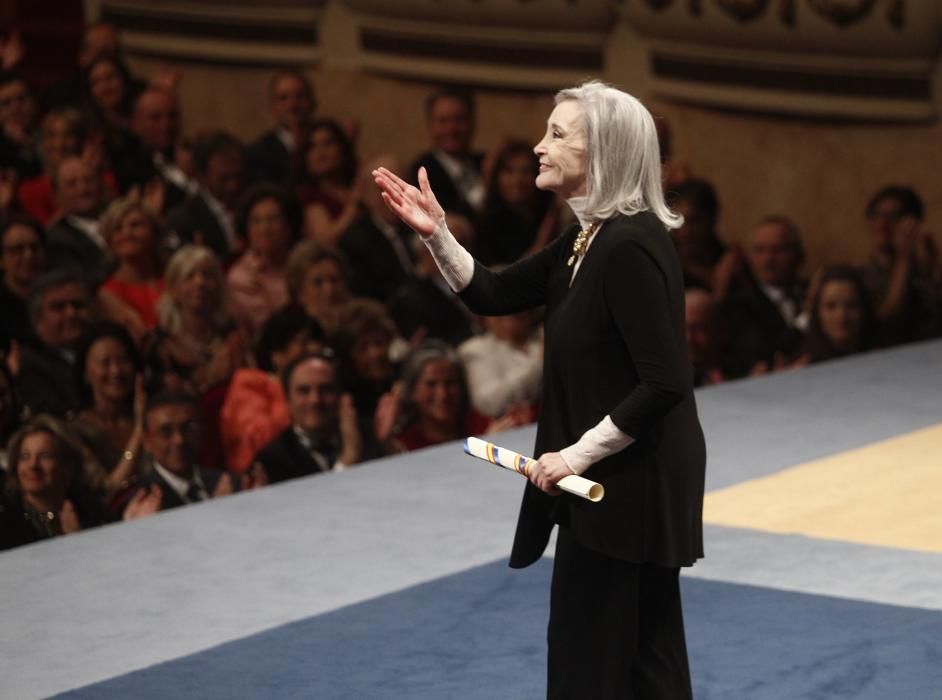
(481,634)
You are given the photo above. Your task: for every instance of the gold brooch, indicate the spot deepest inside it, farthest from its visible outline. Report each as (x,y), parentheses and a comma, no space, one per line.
(581,243)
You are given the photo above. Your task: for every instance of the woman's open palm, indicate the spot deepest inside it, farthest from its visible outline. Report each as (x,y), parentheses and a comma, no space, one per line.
(416,206)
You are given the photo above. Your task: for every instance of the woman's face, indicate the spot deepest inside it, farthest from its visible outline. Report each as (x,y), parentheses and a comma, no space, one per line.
(323,287)
(37,466)
(883,220)
(58,141)
(841,314)
(134,238)
(106,85)
(23,255)
(515,179)
(562,152)
(199,291)
(324,154)
(437,393)
(370,355)
(109,370)
(267,229)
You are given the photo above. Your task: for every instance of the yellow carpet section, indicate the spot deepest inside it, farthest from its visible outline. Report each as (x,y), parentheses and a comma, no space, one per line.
(888,494)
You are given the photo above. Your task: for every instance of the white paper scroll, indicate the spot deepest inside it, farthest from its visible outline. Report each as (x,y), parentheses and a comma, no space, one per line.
(488,451)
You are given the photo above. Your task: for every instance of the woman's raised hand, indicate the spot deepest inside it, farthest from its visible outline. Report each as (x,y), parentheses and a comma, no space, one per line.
(417,207)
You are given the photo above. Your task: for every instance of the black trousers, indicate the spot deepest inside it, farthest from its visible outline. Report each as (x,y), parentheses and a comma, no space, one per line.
(616,629)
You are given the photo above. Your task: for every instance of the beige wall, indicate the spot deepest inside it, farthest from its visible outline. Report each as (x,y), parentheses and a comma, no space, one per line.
(820,173)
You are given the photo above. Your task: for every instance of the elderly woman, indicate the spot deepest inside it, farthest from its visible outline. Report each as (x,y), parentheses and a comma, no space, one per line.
(318,282)
(268,221)
(42,498)
(618,402)
(135,235)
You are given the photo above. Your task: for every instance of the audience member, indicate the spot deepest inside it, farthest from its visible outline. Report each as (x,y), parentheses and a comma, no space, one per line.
(842,320)
(424,305)
(903,273)
(434,404)
(292,103)
(109,384)
(505,365)
(11,411)
(109,94)
(324,434)
(517,218)
(59,308)
(762,292)
(454,170)
(18,142)
(61,134)
(207,217)
(172,434)
(255,409)
(43,497)
(328,187)
(709,343)
(317,280)
(268,222)
(376,245)
(135,236)
(697,242)
(22,260)
(74,237)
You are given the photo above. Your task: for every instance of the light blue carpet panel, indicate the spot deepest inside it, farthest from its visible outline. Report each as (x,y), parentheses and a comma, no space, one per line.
(390,580)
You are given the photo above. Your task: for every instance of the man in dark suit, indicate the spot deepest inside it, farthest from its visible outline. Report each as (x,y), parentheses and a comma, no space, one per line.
(454,170)
(73,238)
(377,246)
(292,103)
(763,308)
(59,306)
(172,439)
(207,216)
(323,435)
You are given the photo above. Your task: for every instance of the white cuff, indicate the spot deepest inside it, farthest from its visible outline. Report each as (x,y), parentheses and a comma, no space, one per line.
(595,444)
(456,263)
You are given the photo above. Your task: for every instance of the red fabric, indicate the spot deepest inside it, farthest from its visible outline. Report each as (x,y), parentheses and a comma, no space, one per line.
(142,298)
(254,413)
(35,197)
(412,438)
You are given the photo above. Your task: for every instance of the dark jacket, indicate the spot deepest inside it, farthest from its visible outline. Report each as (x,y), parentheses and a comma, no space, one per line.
(615,345)
(446,192)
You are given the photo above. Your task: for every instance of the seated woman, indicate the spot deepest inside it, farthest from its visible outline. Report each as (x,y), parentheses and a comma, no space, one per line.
(505,364)
(434,404)
(109,92)
(61,134)
(518,219)
(318,282)
(842,320)
(135,235)
(197,345)
(255,409)
(326,187)
(268,221)
(108,377)
(43,497)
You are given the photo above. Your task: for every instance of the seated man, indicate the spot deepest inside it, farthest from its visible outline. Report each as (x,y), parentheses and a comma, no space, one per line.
(59,306)
(172,439)
(323,435)
(73,238)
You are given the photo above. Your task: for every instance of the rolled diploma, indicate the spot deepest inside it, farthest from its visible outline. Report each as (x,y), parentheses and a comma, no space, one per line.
(489,452)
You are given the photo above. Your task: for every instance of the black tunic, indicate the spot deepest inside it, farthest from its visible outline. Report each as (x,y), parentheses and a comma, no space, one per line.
(615,345)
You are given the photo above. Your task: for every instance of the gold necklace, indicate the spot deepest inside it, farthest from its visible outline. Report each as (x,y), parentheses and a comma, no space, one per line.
(581,244)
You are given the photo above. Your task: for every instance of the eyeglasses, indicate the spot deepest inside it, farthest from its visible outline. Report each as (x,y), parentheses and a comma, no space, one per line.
(188,429)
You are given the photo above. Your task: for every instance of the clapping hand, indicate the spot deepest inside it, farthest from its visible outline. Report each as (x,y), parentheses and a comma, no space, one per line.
(417,207)
(145,502)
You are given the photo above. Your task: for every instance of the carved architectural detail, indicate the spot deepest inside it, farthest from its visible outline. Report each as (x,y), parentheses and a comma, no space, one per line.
(842,12)
(744,10)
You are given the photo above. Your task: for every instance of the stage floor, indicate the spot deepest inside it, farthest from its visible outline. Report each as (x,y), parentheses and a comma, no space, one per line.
(823,574)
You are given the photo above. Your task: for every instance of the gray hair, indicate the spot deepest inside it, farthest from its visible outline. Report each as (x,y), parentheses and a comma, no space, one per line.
(623,162)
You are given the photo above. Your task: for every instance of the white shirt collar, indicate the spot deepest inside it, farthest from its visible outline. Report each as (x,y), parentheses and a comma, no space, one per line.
(286,138)
(90,228)
(179,485)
